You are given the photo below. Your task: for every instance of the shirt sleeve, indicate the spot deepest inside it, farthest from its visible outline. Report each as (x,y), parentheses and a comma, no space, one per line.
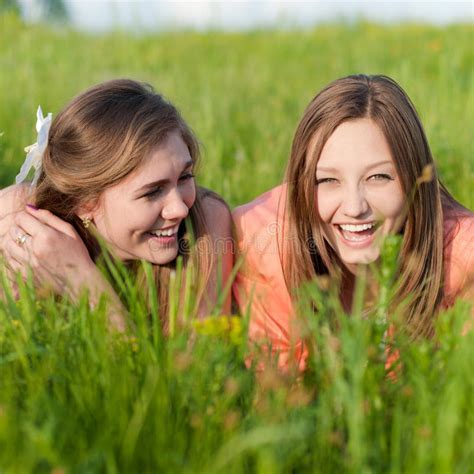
(262,296)
(459,262)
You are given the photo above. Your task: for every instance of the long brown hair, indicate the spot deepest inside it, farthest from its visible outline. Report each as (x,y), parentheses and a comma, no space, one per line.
(98,139)
(420,272)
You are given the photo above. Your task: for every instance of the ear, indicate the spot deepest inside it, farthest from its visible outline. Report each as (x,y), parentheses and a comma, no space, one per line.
(88,210)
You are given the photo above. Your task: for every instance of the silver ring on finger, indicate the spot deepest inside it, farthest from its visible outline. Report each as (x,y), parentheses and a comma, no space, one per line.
(21,239)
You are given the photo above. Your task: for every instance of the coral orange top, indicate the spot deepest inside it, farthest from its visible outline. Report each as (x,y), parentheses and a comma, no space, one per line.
(260,289)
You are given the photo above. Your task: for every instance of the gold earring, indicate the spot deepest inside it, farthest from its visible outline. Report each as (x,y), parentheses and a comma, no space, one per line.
(86,222)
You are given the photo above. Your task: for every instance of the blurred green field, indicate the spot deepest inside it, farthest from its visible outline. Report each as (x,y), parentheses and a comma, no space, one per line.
(244,94)
(75,398)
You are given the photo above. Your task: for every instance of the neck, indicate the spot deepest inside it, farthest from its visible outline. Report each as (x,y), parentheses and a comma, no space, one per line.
(364,276)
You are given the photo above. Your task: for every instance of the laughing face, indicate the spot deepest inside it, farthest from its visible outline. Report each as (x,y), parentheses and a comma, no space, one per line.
(140,216)
(359,197)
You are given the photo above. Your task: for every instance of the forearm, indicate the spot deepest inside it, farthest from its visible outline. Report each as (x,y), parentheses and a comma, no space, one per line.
(91,280)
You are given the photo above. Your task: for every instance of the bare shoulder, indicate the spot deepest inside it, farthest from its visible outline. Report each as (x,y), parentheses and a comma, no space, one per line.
(459,254)
(219,225)
(459,232)
(217,215)
(12,199)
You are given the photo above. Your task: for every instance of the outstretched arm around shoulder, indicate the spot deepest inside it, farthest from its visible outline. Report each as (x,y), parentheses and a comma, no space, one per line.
(260,290)
(219,225)
(459,261)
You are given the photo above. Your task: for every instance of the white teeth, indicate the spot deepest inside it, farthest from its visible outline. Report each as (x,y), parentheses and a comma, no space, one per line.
(356,228)
(355,238)
(166,232)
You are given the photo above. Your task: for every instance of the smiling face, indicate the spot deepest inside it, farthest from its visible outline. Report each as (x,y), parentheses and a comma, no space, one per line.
(359,197)
(140,216)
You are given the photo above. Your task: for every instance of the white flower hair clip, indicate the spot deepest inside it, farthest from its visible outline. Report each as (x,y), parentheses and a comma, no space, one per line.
(34,157)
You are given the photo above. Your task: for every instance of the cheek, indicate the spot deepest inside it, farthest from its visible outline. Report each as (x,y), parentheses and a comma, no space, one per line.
(189,194)
(326,204)
(143,216)
(129,217)
(396,210)
(390,203)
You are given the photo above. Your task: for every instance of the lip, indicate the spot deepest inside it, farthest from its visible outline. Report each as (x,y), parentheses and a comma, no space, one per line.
(357,223)
(174,228)
(164,240)
(161,241)
(169,227)
(357,244)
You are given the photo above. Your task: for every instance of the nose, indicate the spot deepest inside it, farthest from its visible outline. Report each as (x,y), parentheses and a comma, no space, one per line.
(355,203)
(174,208)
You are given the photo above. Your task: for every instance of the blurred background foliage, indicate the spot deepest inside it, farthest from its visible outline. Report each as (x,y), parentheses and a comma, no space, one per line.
(11,6)
(244,93)
(49,10)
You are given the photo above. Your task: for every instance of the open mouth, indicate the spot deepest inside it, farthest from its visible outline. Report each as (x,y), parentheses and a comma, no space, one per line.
(357,233)
(165,236)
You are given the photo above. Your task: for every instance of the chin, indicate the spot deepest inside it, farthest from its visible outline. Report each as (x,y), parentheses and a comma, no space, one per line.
(364,259)
(164,258)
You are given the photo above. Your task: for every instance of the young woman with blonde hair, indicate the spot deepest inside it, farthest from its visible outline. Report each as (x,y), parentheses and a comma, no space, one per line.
(360,169)
(116,164)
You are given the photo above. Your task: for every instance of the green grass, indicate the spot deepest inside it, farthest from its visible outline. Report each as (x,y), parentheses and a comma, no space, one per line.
(76,398)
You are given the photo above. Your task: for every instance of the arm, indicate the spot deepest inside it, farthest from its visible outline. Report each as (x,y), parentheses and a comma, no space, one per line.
(467,291)
(468,295)
(261,294)
(459,263)
(219,223)
(12,200)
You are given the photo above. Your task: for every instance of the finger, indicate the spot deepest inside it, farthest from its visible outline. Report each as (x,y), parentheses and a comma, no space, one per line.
(14,253)
(8,280)
(15,268)
(20,237)
(12,285)
(19,255)
(17,261)
(5,225)
(48,218)
(30,224)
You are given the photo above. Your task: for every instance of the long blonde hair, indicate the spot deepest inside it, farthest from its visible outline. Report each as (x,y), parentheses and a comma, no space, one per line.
(420,272)
(98,139)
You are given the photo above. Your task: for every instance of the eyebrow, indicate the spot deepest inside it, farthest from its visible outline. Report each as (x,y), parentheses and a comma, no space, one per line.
(160,182)
(334,170)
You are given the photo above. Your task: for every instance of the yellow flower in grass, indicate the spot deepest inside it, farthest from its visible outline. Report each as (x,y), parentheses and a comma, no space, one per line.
(133,341)
(236,330)
(223,326)
(128,341)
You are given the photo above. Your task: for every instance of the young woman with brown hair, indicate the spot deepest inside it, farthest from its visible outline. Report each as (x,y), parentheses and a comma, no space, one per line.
(117,164)
(360,169)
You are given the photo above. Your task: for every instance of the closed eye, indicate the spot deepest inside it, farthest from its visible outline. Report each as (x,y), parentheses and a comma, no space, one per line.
(186,176)
(326,180)
(152,194)
(159,190)
(381,177)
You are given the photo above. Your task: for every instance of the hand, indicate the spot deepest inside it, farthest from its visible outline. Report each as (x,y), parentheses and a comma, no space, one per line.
(6,221)
(11,201)
(50,247)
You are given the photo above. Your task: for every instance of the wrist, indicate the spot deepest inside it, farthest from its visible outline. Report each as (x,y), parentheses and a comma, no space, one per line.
(89,278)
(84,276)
